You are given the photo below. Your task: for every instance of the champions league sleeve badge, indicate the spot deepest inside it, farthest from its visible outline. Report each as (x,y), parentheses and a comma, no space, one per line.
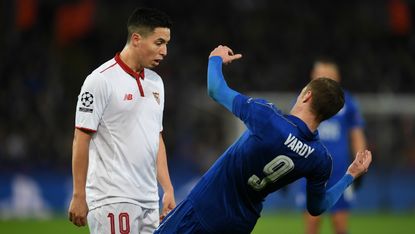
(86,100)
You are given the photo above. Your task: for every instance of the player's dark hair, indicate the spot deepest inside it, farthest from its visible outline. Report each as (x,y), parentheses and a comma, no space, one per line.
(328,98)
(144,20)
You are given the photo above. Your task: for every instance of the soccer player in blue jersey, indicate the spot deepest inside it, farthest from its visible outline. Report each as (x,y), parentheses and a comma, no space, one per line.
(343,136)
(276,150)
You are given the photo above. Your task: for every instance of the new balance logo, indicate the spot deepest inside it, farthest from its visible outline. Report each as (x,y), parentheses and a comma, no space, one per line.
(128,97)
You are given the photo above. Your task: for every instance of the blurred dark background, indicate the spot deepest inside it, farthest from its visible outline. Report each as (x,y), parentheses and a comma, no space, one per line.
(48,47)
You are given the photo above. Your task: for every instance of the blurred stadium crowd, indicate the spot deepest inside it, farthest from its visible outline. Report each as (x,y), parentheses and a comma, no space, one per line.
(50,46)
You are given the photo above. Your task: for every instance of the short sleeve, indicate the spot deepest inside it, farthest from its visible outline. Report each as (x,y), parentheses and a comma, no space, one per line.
(92,101)
(317,180)
(255,113)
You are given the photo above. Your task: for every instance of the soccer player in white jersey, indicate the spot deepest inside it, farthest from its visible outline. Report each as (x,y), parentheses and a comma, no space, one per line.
(118,148)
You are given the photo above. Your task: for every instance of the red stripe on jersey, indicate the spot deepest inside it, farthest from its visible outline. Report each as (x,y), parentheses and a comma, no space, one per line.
(132,73)
(140,87)
(108,67)
(86,129)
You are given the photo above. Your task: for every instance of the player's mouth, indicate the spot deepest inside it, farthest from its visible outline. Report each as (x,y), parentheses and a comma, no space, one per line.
(157,61)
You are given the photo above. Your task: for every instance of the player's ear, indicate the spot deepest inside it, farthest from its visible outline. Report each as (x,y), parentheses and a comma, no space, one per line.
(135,38)
(307,96)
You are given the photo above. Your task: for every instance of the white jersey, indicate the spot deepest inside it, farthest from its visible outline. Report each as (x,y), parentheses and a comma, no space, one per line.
(125,111)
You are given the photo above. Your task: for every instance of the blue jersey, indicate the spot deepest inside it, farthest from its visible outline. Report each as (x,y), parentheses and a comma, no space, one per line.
(335,134)
(274,151)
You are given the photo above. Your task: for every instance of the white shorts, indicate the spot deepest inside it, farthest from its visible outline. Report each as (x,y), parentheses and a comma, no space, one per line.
(122,218)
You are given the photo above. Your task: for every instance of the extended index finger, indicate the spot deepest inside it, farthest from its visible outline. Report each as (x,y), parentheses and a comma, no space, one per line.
(236,56)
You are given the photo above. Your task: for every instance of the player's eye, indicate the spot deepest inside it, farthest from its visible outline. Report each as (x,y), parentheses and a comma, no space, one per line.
(160,42)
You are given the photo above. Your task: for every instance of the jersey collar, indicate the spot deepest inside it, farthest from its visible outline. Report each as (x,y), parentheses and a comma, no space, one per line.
(127,69)
(137,76)
(308,134)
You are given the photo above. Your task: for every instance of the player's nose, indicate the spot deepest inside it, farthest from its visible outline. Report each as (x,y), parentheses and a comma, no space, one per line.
(163,50)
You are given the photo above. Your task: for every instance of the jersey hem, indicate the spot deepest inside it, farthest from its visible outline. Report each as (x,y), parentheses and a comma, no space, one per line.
(96,204)
(86,129)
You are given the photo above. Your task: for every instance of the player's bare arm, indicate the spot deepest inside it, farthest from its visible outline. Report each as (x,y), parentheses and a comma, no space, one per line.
(78,208)
(164,179)
(361,163)
(357,140)
(225,53)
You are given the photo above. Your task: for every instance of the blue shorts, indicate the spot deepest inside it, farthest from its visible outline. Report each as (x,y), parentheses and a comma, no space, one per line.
(181,220)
